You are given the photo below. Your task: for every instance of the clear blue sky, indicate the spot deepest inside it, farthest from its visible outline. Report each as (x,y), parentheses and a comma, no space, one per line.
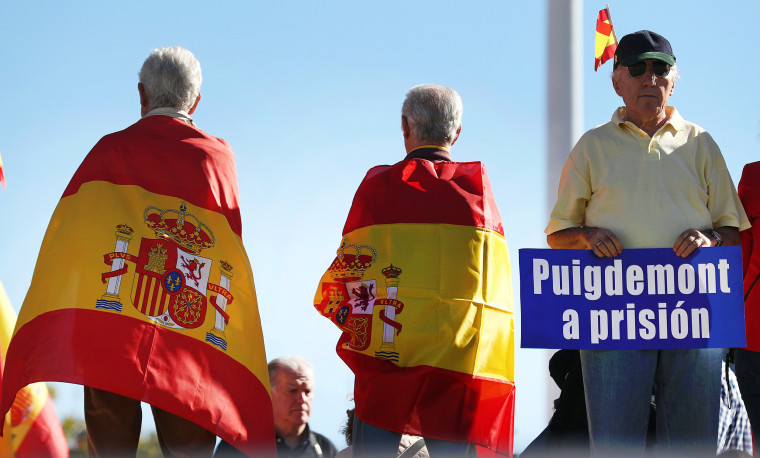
(309,95)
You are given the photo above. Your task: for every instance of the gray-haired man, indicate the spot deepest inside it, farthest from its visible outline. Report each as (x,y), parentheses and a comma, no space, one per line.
(292,381)
(648,179)
(169,86)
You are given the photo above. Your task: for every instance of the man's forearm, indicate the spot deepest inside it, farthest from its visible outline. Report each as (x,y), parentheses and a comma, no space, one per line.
(730,235)
(570,238)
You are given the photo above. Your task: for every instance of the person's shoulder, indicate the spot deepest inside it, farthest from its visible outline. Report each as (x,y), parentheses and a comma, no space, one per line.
(597,134)
(328,448)
(750,175)
(380,173)
(220,141)
(139,128)
(753,168)
(435,164)
(322,439)
(691,128)
(594,142)
(677,119)
(165,128)
(115,137)
(701,138)
(600,130)
(694,130)
(378,169)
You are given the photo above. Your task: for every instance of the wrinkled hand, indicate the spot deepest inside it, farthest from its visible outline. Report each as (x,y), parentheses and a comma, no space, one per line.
(690,240)
(603,242)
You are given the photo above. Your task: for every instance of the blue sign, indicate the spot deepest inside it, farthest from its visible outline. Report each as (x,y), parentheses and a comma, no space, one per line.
(642,299)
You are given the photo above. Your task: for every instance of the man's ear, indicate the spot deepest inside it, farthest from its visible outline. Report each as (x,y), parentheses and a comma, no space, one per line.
(456,137)
(143,96)
(195,105)
(615,85)
(405,127)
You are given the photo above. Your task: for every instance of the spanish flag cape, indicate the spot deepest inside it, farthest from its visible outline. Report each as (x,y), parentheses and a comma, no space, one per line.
(421,289)
(31,427)
(143,287)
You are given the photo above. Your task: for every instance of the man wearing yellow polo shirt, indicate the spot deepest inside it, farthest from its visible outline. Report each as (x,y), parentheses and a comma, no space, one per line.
(648,179)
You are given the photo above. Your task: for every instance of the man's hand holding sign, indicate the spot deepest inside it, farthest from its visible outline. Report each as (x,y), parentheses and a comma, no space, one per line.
(604,243)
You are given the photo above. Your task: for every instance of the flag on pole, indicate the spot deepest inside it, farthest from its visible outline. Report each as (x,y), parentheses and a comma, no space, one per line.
(606,42)
(421,289)
(31,427)
(2,174)
(143,287)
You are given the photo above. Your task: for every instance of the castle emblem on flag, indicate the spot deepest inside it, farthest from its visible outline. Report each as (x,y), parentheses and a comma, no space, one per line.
(349,299)
(23,405)
(171,281)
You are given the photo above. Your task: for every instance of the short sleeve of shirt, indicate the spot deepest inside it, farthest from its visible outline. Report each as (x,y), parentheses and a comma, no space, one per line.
(724,205)
(573,194)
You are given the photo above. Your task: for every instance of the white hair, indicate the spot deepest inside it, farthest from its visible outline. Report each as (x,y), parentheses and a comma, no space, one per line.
(297,364)
(433,112)
(171,77)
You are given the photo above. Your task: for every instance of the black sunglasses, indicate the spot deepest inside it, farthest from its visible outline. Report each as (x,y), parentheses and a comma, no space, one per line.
(659,68)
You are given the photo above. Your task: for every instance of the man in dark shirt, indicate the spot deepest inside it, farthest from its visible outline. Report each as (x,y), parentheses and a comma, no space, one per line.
(292,382)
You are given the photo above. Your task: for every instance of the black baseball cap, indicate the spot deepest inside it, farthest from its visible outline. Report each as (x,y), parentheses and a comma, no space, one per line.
(643,45)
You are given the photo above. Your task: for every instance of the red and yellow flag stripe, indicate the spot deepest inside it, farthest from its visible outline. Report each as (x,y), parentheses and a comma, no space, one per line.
(421,287)
(31,427)
(605,42)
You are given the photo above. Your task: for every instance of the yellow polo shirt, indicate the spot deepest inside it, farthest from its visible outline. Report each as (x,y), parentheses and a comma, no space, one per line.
(646,190)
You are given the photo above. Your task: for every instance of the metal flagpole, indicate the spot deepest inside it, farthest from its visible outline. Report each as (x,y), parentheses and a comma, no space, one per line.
(565,105)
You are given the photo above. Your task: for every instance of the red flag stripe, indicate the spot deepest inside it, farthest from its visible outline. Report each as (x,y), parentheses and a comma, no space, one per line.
(604,28)
(124,361)
(609,53)
(414,191)
(117,166)
(381,385)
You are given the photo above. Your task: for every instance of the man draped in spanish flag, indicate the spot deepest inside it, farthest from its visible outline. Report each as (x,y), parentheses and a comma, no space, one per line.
(421,288)
(143,290)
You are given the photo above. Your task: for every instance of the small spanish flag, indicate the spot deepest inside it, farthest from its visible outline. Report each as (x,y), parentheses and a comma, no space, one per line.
(31,427)
(606,42)
(2,175)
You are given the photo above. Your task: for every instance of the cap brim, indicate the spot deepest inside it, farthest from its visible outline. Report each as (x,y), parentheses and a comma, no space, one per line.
(632,60)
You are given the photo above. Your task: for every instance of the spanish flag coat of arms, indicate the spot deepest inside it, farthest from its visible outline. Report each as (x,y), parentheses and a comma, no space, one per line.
(143,287)
(421,288)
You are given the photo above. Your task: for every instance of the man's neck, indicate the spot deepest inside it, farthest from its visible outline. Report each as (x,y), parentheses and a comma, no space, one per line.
(650,125)
(430,146)
(413,144)
(431,153)
(171,112)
